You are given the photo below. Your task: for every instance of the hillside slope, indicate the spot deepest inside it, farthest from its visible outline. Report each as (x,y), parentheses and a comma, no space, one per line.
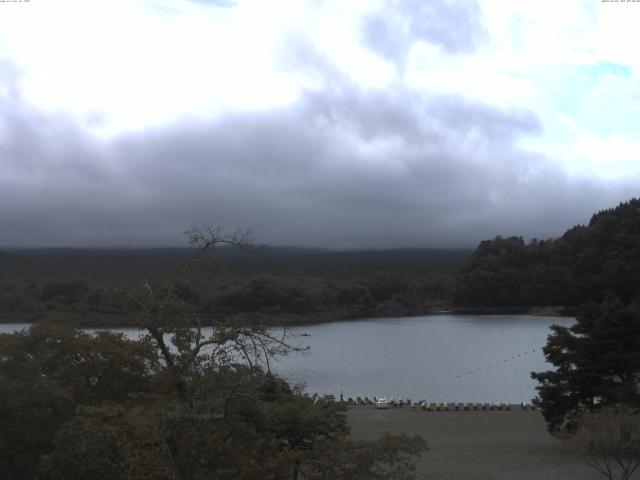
(585,264)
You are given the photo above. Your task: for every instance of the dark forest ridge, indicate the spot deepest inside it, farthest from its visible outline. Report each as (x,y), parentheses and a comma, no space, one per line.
(288,284)
(261,250)
(586,264)
(90,262)
(297,284)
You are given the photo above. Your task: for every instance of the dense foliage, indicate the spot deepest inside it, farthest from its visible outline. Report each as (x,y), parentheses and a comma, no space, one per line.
(597,360)
(174,404)
(585,264)
(277,285)
(597,364)
(78,406)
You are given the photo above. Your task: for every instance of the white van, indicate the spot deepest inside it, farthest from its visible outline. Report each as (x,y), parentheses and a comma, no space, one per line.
(382,403)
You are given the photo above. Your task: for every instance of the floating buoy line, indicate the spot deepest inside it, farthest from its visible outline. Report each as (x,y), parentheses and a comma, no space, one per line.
(511,358)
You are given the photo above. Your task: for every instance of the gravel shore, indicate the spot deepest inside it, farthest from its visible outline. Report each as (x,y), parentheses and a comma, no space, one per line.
(477,445)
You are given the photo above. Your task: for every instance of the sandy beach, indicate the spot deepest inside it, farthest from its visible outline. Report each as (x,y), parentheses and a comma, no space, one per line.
(478,445)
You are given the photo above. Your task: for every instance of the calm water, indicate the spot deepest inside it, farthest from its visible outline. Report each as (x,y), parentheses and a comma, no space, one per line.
(454,358)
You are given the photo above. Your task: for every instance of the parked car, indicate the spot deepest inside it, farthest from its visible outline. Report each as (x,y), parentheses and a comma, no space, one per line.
(382,403)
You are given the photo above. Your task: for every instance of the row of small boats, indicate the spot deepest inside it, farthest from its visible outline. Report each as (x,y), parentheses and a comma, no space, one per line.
(401,402)
(444,406)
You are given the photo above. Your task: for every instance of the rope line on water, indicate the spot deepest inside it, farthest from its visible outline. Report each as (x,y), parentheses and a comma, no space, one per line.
(515,356)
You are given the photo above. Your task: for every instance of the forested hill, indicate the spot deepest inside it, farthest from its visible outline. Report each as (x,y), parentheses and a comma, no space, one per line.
(585,264)
(278,283)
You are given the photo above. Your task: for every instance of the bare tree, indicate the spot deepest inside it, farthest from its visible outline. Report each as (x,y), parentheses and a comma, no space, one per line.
(178,333)
(610,441)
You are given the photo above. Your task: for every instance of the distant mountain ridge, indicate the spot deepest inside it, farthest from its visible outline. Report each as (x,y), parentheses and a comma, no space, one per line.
(95,262)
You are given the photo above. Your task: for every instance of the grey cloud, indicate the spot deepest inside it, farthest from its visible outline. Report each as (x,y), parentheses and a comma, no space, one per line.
(343,167)
(455,26)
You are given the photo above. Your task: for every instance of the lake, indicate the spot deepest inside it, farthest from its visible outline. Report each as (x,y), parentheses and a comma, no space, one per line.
(439,358)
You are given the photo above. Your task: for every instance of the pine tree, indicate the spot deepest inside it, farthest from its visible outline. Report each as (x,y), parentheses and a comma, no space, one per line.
(597,364)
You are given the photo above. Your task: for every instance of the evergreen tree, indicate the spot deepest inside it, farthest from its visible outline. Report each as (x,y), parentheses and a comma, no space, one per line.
(597,364)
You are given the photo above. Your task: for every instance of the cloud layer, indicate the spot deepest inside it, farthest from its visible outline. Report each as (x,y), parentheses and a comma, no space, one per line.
(343,165)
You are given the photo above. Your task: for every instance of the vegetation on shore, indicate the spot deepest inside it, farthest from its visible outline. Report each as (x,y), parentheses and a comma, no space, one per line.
(174,405)
(294,285)
(585,264)
(274,285)
(592,395)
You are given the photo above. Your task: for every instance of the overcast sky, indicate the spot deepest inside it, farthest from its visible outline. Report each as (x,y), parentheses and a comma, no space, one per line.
(326,123)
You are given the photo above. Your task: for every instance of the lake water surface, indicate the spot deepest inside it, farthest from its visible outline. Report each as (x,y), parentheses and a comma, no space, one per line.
(453,358)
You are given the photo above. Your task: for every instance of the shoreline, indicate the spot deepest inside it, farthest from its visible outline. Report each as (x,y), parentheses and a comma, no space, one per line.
(294,320)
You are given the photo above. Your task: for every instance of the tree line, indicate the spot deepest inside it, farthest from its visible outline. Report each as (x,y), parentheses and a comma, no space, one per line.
(587,263)
(592,394)
(593,270)
(278,285)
